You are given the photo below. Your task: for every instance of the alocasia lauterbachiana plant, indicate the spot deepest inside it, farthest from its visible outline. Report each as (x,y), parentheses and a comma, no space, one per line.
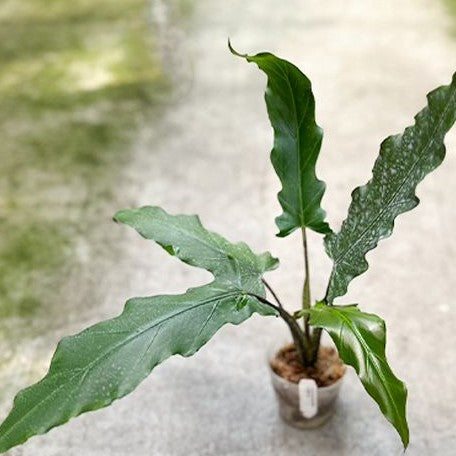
(108,360)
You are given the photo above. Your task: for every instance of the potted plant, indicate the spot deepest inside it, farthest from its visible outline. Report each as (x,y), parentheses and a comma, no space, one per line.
(108,360)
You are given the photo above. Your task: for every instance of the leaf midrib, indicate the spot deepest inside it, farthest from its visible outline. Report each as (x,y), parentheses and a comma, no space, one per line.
(106,354)
(215,248)
(373,359)
(298,145)
(424,150)
(280,71)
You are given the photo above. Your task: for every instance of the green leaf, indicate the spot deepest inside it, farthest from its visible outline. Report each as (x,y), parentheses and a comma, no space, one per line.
(297,142)
(403,162)
(360,339)
(185,237)
(108,360)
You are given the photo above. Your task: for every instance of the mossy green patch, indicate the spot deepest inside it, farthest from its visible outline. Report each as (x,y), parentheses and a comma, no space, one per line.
(29,255)
(76,80)
(451,6)
(186,7)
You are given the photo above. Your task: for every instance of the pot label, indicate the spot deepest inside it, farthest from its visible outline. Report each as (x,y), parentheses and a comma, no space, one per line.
(308,403)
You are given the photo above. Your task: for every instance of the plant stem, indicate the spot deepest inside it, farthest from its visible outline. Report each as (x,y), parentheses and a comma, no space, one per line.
(312,337)
(266,284)
(306,298)
(295,329)
(316,337)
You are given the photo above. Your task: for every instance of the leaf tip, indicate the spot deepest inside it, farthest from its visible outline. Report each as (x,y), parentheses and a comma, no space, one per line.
(404,434)
(121,216)
(234,52)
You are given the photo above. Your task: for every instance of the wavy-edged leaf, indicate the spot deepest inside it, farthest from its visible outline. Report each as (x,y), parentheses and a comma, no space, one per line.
(186,238)
(297,142)
(403,162)
(108,360)
(360,339)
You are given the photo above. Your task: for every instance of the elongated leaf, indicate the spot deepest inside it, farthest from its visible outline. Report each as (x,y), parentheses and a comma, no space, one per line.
(108,360)
(297,142)
(360,339)
(403,162)
(185,237)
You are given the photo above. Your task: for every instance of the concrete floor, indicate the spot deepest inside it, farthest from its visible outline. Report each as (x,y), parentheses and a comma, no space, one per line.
(371,64)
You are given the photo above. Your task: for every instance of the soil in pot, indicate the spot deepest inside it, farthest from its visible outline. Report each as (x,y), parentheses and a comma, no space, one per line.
(327,370)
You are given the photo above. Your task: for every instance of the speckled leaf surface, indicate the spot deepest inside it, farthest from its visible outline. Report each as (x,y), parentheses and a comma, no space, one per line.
(403,162)
(185,237)
(360,339)
(297,142)
(108,360)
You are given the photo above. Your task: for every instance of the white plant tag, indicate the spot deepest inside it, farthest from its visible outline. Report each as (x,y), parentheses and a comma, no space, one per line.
(308,403)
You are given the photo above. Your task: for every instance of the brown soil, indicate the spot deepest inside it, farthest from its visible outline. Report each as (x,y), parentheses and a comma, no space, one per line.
(327,370)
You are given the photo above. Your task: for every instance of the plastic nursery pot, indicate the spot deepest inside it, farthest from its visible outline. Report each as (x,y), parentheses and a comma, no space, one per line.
(303,405)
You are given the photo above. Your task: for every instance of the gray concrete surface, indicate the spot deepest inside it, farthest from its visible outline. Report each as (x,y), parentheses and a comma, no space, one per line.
(371,63)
